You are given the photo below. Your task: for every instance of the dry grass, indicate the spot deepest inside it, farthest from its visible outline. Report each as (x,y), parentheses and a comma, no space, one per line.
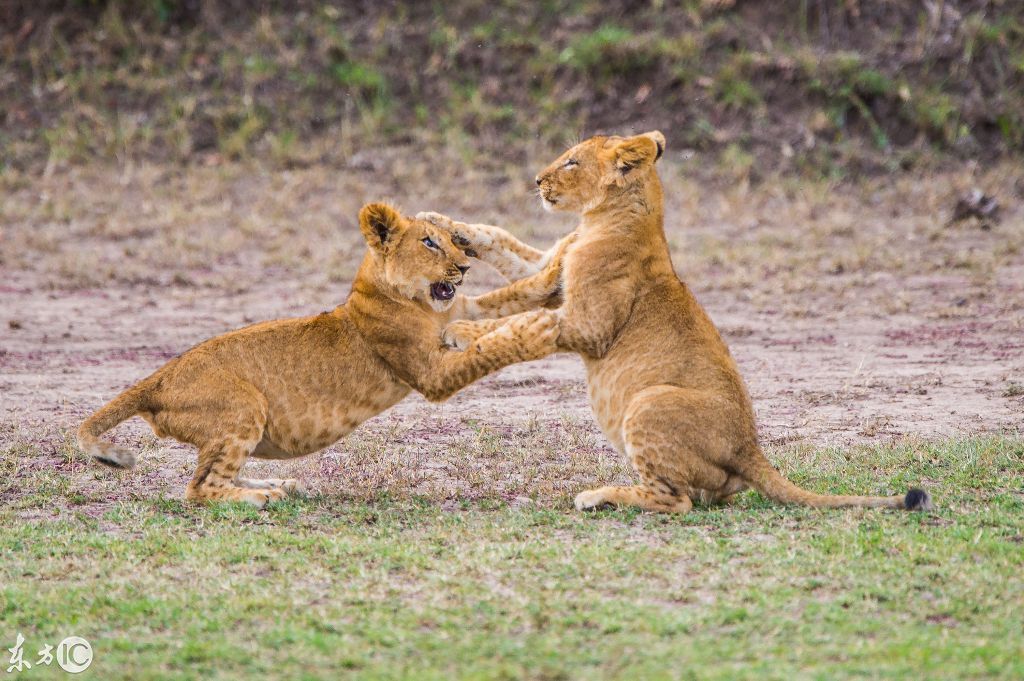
(232,225)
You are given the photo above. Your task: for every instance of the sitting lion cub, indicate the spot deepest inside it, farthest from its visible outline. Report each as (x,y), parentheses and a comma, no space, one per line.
(289,387)
(664,388)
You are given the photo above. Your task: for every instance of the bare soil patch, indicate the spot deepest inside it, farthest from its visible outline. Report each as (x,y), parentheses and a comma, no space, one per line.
(857,315)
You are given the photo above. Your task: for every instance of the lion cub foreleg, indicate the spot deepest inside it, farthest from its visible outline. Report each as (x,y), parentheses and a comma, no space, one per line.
(490,311)
(493,245)
(543,289)
(522,338)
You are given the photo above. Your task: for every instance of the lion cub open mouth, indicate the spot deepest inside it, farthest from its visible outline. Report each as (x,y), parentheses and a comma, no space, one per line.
(442,290)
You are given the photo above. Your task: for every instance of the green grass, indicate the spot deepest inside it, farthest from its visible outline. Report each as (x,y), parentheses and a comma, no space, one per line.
(610,50)
(162,81)
(410,588)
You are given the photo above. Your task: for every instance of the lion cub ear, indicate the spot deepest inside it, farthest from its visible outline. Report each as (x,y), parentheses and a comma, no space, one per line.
(659,141)
(379,223)
(636,152)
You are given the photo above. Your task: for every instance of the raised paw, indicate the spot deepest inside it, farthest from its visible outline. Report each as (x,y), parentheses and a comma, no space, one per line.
(459,335)
(551,283)
(460,231)
(436,219)
(557,252)
(590,500)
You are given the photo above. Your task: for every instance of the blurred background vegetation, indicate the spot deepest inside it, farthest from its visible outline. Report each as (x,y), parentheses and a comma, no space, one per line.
(821,87)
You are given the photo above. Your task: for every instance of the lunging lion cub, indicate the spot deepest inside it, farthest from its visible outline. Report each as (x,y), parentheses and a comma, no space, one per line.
(286,388)
(662,383)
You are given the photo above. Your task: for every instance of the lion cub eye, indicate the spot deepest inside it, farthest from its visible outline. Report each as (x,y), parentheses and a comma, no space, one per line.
(429,243)
(571,163)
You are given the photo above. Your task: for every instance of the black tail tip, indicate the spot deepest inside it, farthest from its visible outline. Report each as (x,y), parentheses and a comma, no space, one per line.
(917,500)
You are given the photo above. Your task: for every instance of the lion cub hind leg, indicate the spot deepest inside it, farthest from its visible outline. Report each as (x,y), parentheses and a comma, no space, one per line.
(642,496)
(225,417)
(671,440)
(216,478)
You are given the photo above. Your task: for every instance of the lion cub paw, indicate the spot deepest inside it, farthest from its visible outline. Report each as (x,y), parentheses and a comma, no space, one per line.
(460,231)
(258,497)
(289,486)
(293,487)
(436,219)
(459,335)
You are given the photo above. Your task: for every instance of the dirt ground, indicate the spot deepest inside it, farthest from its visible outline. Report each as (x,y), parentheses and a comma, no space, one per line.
(857,315)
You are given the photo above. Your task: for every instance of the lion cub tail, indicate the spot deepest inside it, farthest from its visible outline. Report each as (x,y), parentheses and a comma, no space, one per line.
(123,407)
(763,477)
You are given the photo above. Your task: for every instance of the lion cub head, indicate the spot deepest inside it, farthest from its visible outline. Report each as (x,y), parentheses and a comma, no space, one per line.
(582,178)
(416,257)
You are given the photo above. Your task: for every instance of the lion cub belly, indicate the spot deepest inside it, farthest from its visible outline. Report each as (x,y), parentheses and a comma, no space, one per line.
(309,427)
(607,387)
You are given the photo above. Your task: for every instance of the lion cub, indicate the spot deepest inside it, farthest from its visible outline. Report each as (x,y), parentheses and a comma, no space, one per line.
(664,388)
(286,388)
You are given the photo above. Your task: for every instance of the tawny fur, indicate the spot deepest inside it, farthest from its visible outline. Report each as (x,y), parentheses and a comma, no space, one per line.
(286,388)
(513,259)
(662,383)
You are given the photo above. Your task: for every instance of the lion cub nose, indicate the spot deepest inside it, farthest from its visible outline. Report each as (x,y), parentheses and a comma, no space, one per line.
(462,268)
(538,180)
